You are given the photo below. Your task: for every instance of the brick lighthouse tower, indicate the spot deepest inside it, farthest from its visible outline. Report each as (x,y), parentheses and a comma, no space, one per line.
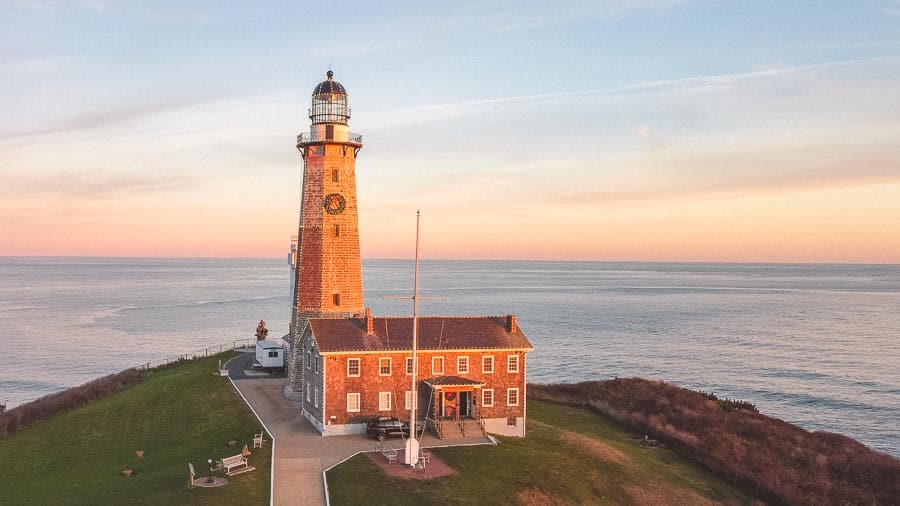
(328,273)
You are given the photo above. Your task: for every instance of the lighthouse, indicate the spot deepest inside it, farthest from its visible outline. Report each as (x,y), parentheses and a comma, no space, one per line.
(348,369)
(327,273)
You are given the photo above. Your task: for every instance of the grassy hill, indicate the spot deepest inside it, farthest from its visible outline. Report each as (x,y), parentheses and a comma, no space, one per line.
(571,456)
(176,415)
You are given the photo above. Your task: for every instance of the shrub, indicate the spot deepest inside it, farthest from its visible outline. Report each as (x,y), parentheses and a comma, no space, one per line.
(33,412)
(770,459)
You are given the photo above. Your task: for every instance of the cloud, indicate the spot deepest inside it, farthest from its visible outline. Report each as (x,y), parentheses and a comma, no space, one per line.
(705,83)
(113,116)
(891,7)
(93,184)
(850,156)
(56,5)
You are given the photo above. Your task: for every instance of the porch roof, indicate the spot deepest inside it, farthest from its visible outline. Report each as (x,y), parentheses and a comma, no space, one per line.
(452,381)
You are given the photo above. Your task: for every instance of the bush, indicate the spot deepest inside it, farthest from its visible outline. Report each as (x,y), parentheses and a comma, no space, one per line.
(769,458)
(33,412)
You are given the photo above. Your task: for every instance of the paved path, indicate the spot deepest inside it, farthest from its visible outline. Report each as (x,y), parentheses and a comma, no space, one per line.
(301,453)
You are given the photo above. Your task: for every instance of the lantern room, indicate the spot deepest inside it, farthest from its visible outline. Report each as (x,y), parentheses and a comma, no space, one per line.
(328,114)
(329,102)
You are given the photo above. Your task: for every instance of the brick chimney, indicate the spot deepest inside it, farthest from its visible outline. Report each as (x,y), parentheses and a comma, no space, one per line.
(370,324)
(511,325)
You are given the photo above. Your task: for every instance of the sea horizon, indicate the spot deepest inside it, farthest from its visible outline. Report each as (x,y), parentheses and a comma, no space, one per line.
(452,259)
(812,344)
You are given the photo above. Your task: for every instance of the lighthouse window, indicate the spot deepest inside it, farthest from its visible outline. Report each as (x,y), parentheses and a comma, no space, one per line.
(487,398)
(512,396)
(487,364)
(335,176)
(337,230)
(437,365)
(353,367)
(336,299)
(384,401)
(462,365)
(329,132)
(512,363)
(409,366)
(353,402)
(384,366)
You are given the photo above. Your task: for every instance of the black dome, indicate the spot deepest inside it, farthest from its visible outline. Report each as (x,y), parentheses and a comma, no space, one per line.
(329,86)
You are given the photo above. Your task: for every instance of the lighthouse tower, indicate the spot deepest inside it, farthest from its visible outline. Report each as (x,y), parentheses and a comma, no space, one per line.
(328,273)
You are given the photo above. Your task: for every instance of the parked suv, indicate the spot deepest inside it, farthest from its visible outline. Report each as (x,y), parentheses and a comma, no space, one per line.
(383,427)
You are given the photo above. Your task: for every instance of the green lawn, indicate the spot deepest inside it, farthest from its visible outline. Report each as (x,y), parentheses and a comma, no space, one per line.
(176,415)
(571,456)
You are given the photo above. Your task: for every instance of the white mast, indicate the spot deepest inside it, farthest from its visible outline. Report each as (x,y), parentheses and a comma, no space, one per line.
(412,443)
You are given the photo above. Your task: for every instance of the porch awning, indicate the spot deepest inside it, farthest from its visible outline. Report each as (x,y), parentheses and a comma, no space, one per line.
(453,382)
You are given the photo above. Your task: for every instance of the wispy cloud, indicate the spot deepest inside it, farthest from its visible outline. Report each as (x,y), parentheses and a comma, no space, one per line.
(56,5)
(448,111)
(891,7)
(855,155)
(86,185)
(111,117)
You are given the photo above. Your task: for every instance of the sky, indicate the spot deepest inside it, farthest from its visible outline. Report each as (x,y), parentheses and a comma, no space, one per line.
(633,130)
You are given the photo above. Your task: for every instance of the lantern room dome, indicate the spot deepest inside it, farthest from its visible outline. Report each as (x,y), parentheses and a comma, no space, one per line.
(329,86)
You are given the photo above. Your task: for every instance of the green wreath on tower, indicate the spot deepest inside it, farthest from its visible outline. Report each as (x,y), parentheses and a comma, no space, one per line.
(335,203)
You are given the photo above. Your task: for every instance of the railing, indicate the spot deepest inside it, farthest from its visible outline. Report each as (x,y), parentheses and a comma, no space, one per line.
(197,354)
(306,138)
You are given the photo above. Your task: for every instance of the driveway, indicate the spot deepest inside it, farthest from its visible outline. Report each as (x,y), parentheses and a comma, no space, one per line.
(301,452)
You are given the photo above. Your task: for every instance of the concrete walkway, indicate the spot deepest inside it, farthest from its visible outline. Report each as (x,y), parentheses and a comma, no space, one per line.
(301,452)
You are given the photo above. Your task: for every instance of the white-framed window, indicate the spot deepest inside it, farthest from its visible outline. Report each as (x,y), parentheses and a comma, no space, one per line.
(316,397)
(409,366)
(308,389)
(273,354)
(384,366)
(384,401)
(487,398)
(512,363)
(462,365)
(408,400)
(437,365)
(487,364)
(353,367)
(512,396)
(308,359)
(353,402)
(318,359)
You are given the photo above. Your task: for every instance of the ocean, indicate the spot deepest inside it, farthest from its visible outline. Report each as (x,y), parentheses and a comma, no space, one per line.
(815,345)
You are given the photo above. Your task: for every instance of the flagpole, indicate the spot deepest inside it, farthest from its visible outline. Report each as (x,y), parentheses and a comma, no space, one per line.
(412,444)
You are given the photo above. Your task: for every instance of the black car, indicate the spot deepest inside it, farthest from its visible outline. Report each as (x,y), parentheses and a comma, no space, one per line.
(383,427)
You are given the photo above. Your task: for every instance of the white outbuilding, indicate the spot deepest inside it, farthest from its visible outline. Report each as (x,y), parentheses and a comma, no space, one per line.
(270,353)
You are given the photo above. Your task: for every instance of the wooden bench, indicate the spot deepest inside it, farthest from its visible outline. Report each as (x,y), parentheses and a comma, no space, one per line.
(236,464)
(258,440)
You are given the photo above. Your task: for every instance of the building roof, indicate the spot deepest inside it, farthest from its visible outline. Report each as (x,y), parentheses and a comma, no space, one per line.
(435,333)
(329,86)
(266,343)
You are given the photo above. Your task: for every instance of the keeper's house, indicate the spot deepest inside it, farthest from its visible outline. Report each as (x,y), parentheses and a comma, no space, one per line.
(471,373)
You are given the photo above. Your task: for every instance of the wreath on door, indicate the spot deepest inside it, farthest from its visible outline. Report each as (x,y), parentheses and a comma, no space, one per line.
(450,396)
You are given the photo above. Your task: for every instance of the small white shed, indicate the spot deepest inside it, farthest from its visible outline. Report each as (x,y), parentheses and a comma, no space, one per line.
(270,353)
